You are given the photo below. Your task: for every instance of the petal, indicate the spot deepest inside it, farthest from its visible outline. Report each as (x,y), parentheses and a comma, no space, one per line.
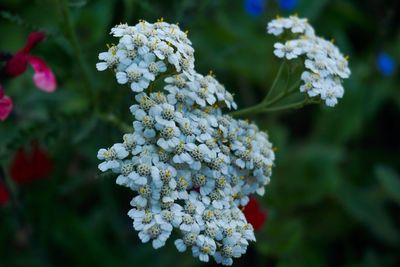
(136,88)
(17,64)
(6,106)
(149,133)
(139,114)
(41,163)
(157,243)
(122,79)
(149,58)
(44,77)
(121,180)
(279,53)
(4,195)
(180,246)
(33,39)
(101,66)
(21,168)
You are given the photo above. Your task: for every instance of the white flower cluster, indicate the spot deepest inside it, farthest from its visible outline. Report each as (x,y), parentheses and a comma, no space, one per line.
(145,50)
(326,66)
(189,166)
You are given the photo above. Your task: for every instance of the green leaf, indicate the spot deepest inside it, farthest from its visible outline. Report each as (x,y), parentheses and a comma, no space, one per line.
(85,131)
(75,102)
(77,3)
(369,211)
(390,181)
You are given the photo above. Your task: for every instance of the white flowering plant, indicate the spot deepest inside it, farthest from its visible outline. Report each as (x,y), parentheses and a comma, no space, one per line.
(191,165)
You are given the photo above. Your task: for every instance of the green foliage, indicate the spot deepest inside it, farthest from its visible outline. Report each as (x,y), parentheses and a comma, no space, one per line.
(389,181)
(335,193)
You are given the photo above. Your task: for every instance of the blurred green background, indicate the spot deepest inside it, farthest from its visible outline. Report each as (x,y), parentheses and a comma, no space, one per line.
(335,193)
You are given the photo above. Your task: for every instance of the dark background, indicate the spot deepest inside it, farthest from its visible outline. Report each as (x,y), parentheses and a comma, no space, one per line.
(335,193)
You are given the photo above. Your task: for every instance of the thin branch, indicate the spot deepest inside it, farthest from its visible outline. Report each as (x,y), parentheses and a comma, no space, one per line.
(295,105)
(274,83)
(112,119)
(265,106)
(250,110)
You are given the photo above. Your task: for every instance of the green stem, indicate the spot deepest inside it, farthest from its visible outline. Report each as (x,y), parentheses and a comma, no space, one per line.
(112,119)
(250,110)
(78,52)
(284,94)
(296,105)
(274,83)
(266,106)
(288,106)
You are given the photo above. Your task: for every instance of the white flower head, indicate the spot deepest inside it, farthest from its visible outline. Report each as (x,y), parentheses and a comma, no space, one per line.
(325,65)
(189,166)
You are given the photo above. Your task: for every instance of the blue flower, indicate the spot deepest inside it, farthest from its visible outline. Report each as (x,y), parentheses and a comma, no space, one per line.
(254,7)
(288,5)
(386,64)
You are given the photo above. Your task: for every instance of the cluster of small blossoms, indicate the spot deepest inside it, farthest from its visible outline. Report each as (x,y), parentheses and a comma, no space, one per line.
(325,65)
(190,167)
(144,51)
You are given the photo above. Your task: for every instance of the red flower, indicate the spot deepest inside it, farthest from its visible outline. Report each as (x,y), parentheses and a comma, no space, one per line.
(4,195)
(28,167)
(6,105)
(254,214)
(43,78)
(19,62)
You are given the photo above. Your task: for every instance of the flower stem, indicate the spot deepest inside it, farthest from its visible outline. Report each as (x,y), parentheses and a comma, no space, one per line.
(274,83)
(284,94)
(78,52)
(112,119)
(258,108)
(266,106)
(288,106)
(295,105)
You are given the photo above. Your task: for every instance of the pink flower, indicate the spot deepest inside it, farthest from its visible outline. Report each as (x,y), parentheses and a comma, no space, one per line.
(6,105)
(44,77)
